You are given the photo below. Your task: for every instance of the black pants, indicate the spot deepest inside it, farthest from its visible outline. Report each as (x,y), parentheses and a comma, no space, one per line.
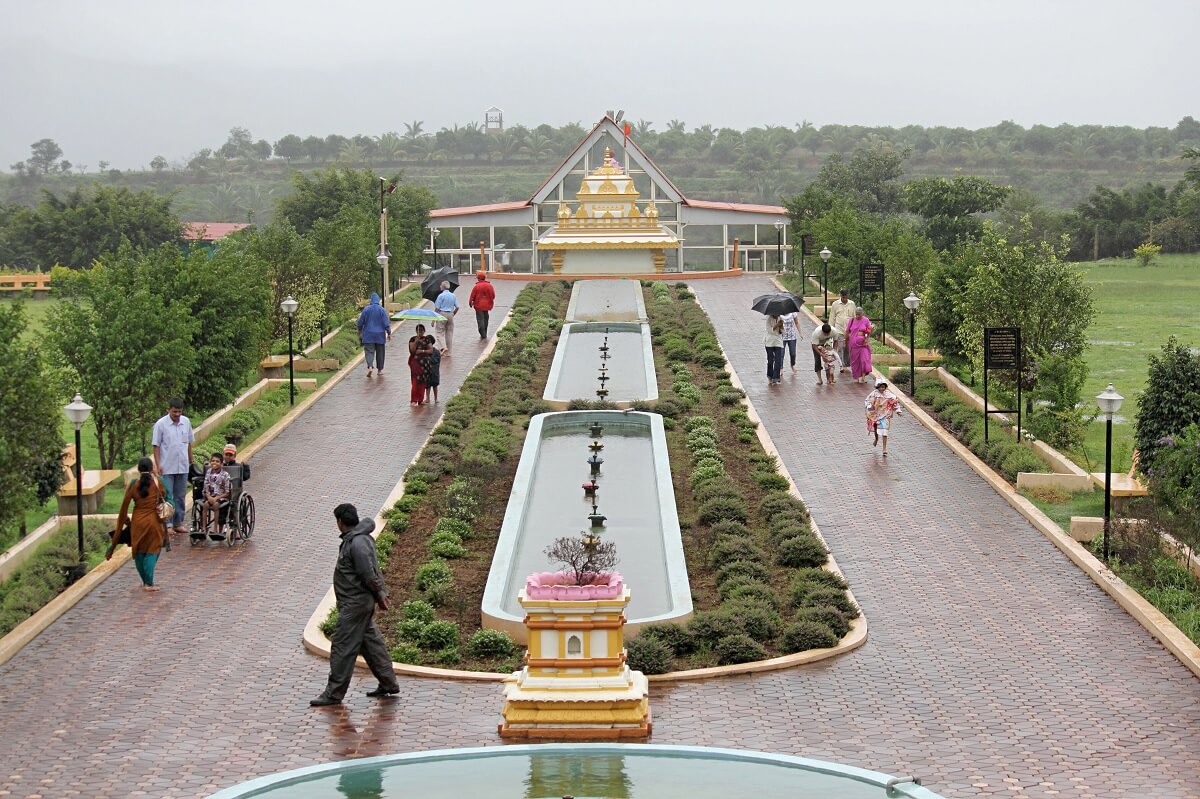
(355,634)
(481,319)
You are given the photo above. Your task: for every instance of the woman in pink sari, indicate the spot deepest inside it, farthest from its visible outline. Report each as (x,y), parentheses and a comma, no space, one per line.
(858,333)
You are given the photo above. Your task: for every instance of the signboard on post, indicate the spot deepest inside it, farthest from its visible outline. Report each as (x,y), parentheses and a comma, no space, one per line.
(806,245)
(871,278)
(1001,350)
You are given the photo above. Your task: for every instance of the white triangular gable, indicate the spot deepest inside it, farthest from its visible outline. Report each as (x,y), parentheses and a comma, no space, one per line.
(607,128)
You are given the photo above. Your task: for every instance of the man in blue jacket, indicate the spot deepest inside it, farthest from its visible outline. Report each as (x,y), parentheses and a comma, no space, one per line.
(375,330)
(358,587)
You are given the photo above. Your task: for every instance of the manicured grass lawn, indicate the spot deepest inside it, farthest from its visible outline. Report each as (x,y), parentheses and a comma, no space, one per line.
(1137,308)
(1087,504)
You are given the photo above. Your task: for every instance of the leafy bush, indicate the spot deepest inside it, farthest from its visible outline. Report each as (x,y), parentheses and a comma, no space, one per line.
(743,568)
(453,526)
(1021,459)
(779,501)
(450,656)
(720,509)
(801,551)
(491,644)
(730,528)
(822,596)
(770,481)
(327,626)
(405,653)
(410,630)
(433,572)
(417,610)
(754,592)
(439,634)
(1170,401)
(440,594)
(677,638)
(648,655)
(832,618)
(802,636)
(812,577)
(726,549)
(738,648)
(398,523)
(445,545)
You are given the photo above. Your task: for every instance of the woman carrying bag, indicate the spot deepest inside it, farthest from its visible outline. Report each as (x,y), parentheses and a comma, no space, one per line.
(149,498)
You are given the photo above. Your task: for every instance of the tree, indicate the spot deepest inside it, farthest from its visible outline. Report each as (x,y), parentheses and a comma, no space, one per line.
(229,298)
(580,560)
(1169,403)
(289,147)
(84,224)
(44,155)
(869,180)
(240,144)
(30,437)
(1026,284)
(414,130)
(158,164)
(949,206)
(125,342)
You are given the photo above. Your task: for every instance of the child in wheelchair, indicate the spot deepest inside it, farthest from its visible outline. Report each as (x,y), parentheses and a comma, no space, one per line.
(212,493)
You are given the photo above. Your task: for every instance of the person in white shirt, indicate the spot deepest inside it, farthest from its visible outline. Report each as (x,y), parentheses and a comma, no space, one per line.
(791,333)
(841,311)
(823,336)
(172,439)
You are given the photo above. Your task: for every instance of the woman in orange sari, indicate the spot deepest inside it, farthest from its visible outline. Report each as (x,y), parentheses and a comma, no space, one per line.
(146,528)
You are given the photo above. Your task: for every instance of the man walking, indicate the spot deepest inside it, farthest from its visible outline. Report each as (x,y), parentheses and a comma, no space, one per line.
(447,305)
(375,331)
(171,440)
(358,588)
(841,311)
(483,299)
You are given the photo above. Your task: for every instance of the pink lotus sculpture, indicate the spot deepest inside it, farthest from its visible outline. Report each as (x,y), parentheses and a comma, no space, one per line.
(561,585)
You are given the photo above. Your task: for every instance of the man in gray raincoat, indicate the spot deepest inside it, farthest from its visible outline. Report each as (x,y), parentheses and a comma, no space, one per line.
(358,587)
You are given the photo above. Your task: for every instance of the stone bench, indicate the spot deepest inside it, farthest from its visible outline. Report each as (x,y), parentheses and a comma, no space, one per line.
(94,483)
(276,366)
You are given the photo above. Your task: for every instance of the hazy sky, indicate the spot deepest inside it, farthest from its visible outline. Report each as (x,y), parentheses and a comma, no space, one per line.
(125,80)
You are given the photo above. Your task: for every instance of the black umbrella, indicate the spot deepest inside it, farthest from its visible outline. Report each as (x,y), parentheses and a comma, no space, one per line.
(431,286)
(777,304)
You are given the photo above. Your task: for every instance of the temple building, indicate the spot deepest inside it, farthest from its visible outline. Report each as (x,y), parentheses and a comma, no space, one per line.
(608,209)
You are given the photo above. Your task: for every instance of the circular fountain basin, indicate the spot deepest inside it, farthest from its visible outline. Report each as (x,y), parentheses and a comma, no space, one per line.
(616,771)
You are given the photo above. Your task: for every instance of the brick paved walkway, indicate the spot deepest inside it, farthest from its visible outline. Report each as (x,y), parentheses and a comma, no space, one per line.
(994,667)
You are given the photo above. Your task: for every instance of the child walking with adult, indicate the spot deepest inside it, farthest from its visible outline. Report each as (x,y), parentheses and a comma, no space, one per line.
(431,361)
(881,406)
(773,341)
(146,531)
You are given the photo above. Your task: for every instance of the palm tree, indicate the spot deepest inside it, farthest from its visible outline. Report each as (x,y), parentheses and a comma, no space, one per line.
(390,147)
(414,130)
(352,153)
(539,146)
(642,127)
(675,126)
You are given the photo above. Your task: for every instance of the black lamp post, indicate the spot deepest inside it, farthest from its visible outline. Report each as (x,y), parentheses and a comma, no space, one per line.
(779,245)
(825,256)
(289,306)
(912,302)
(435,233)
(77,412)
(1110,402)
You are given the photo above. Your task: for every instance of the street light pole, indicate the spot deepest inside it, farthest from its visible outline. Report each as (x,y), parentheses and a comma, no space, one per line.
(779,245)
(825,256)
(912,302)
(435,232)
(77,412)
(1110,402)
(289,307)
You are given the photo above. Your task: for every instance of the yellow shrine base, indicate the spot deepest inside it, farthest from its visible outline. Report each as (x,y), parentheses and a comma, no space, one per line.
(532,715)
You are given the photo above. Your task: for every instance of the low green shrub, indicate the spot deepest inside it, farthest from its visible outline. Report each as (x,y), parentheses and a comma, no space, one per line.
(831,617)
(330,622)
(454,526)
(433,572)
(491,644)
(410,630)
(760,593)
(720,509)
(675,636)
(813,577)
(743,568)
(823,596)
(801,551)
(738,648)
(770,481)
(802,636)
(726,549)
(729,528)
(648,655)
(776,502)
(417,610)
(439,634)
(405,653)
(445,545)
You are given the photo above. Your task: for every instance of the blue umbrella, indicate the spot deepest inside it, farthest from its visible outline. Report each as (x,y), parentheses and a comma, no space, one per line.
(418,315)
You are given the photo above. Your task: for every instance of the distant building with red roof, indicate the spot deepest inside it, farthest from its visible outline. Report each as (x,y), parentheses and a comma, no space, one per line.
(711,236)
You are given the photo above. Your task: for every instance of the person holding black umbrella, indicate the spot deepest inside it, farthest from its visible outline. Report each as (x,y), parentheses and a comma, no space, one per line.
(773,341)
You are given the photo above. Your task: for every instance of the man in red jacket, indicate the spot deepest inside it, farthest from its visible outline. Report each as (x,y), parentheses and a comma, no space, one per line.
(483,298)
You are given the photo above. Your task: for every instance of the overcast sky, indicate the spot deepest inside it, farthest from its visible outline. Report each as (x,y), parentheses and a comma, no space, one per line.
(126,80)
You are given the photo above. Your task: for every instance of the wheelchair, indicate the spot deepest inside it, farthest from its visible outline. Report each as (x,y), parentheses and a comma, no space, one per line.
(236,515)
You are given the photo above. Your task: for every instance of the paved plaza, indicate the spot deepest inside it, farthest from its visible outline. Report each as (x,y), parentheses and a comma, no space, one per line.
(994,667)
